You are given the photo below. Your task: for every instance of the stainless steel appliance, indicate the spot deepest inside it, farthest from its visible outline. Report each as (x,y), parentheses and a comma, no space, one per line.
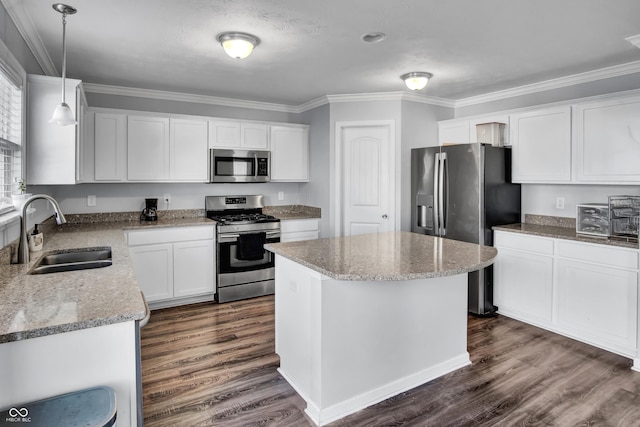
(460,192)
(244,268)
(150,211)
(239,165)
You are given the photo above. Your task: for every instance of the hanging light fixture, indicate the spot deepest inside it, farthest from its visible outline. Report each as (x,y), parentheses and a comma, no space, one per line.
(63,115)
(238,45)
(417,80)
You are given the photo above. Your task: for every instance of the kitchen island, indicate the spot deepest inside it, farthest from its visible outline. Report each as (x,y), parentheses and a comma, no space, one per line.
(362,318)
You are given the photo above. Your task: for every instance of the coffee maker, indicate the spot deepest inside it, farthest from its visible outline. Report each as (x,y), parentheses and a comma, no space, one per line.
(150,212)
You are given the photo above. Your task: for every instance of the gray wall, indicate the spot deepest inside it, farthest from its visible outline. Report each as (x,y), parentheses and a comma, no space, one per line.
(317,191)
(191,108)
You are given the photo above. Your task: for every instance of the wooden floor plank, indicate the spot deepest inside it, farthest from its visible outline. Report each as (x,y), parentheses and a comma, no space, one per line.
(215,365)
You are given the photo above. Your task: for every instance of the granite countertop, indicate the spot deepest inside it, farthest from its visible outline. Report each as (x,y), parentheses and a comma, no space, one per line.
(289,212)
(45,304)
(565,233)
(387,256)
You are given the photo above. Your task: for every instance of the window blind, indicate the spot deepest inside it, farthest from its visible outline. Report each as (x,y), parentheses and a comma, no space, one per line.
(10,137)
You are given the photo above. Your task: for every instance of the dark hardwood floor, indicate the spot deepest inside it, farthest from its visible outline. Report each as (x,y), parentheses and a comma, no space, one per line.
(214,365)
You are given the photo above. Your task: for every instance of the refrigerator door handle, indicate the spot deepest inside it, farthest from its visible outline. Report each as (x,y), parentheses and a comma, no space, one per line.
(442,202)
(436,207)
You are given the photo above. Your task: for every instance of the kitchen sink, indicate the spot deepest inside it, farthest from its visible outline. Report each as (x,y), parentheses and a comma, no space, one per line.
(73,259)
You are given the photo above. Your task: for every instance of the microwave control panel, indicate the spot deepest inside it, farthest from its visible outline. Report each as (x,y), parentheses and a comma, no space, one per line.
(263,167)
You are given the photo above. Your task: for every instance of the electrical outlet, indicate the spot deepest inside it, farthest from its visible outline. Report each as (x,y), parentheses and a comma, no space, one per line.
(91,200)
(280,195)
(559,202)
(167,199)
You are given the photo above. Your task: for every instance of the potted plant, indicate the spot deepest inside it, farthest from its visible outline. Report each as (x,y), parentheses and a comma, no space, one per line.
(19,199)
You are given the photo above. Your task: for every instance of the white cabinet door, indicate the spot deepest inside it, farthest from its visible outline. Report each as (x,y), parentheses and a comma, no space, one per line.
(148,148)
(289,153)
(154,270)
(607,141)
(110,151)
(224,134)
(598,302)
(453,132)
(193,265)
(189,150)
(53,152)
(541,142)
(524,284)
(254,135)
(295,230)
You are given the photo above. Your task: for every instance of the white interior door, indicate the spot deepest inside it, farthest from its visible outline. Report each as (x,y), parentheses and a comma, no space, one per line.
(367,178)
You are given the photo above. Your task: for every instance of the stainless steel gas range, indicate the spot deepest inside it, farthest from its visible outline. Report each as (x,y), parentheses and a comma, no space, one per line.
(244,268)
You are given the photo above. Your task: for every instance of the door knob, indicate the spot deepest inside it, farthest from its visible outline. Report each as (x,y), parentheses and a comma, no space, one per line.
(384,216)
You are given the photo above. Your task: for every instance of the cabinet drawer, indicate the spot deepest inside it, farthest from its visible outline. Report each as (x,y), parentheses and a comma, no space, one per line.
(524,242)
(599,254)
(295,225)
(169,235)
(298,236)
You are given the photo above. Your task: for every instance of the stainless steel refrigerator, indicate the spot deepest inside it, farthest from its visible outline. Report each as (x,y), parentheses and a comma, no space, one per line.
(460,192)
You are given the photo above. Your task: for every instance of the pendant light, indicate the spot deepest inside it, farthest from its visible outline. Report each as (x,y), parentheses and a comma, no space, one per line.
(63,115)
(238,45)
(416,80)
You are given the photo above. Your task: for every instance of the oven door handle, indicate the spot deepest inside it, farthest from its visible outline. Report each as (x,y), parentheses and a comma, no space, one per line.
(230,237)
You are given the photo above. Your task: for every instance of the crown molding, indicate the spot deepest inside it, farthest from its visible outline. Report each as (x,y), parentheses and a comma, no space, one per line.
(186,97)
(575,79)
(634,40)
(28,31)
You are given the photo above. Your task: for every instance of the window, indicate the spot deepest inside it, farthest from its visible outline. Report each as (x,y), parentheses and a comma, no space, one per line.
(11,125)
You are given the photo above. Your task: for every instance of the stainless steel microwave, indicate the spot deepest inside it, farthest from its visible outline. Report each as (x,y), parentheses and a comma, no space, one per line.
(239,165)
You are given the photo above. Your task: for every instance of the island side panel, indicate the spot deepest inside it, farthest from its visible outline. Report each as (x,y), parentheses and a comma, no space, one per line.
(345,345)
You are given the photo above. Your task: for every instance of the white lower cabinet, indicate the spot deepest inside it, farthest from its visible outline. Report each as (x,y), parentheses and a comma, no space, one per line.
(174,266)
(530,277)
(586,291)
(294,230)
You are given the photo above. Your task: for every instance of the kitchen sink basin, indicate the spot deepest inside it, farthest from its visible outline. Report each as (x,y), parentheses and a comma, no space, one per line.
(73,259)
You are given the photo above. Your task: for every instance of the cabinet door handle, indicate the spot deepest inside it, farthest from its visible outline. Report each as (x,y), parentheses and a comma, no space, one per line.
(384,216)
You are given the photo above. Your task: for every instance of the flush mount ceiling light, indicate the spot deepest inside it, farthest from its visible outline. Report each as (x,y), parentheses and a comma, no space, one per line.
(417,80)
(63,115)
(238,45)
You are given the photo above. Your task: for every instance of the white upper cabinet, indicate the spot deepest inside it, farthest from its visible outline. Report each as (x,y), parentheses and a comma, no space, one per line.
(453,132)
(224,134)
(148,148)
(110,151)
(189,149)
(55,153)
(254,136)
(607,141)
(290,153)
(541,142)
(243,135)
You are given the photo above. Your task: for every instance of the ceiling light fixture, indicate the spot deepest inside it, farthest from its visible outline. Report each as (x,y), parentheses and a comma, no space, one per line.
(417,80)
(63,115)
(238,45)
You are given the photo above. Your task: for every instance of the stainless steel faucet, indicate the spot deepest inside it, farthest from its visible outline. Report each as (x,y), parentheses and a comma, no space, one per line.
(23,250)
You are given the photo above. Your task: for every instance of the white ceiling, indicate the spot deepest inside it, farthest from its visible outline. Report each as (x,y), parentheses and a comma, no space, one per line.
(312,48)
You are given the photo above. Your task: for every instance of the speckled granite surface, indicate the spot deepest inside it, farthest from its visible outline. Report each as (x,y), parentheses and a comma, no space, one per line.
(554,221)
(566,233)
(293,212)
(45,304)
(387,256)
